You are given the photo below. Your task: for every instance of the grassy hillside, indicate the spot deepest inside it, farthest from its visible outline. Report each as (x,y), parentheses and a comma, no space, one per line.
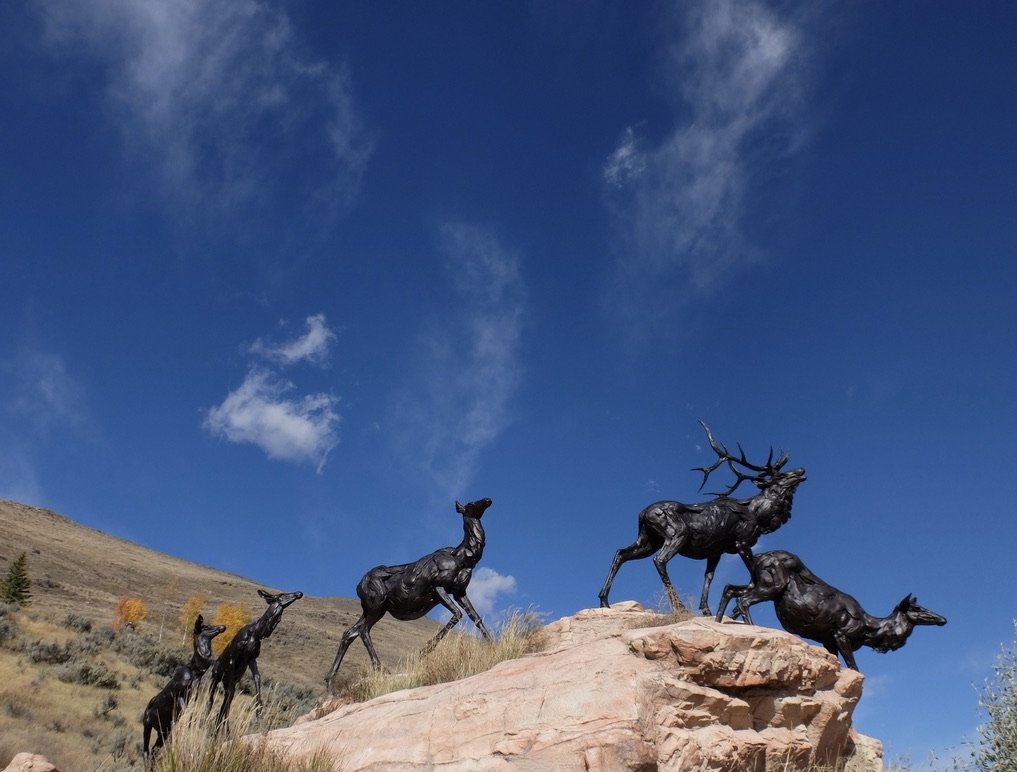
(59,658)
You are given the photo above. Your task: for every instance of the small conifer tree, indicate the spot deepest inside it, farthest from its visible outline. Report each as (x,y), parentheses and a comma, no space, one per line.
(16,587)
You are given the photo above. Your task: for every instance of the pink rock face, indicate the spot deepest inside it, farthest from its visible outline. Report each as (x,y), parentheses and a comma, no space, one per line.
(610,693)
(30,762)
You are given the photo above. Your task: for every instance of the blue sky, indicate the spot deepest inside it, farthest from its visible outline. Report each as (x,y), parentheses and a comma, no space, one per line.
(280,282)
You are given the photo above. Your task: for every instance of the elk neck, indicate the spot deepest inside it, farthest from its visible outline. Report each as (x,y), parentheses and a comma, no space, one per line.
(471,549)
(267,623)
(887,633)
(202,657)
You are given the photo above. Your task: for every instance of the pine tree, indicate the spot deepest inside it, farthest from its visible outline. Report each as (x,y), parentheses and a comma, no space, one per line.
(16,586)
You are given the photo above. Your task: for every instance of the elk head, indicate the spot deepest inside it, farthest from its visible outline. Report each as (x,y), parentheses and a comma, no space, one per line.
(917,615)
(474,509)
(203,635)
(272,615)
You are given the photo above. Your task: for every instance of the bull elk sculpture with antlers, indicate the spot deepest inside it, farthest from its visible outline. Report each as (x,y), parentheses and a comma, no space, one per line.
(708,530)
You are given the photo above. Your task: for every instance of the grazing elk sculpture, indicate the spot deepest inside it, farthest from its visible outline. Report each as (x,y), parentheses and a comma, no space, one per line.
(242,652)
(809,607)
(165,707)
(410,590)
(708,530)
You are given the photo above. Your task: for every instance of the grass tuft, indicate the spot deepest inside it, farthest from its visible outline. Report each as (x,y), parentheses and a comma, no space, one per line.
(457,656)
(196,746)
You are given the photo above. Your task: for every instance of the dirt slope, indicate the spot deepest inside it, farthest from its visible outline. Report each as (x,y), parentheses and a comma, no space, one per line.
(81,570)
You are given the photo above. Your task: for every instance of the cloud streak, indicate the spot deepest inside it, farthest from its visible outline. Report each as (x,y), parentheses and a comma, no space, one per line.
(220,94)
(42,393)
(313,346)
(679,201)
(264,411)
(467,370)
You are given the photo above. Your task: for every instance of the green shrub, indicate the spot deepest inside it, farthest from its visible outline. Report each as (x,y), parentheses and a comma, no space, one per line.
(48,652)
(94,674)
(79,623)
(998,749)
(147,654)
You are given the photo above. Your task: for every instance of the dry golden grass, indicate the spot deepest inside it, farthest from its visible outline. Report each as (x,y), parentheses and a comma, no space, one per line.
(458,655)
(196,746)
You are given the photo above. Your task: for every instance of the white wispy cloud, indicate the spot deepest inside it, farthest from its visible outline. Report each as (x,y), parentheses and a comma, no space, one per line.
(290,428)
(266,411)
(468,368)
(485,587)
(19,479)
(679,201)
(41,392)
(220,94)
(313,346)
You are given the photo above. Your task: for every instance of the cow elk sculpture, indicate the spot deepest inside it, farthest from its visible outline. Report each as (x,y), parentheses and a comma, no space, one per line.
(410,590)
(242,652)
(708,530)
(809,607)
(165,707)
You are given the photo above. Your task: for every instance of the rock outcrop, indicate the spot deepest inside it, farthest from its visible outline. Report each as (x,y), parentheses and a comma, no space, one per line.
(611,692)
(29,762)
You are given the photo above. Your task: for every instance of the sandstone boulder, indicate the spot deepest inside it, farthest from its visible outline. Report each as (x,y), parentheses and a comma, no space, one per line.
(30,762)
(609,692)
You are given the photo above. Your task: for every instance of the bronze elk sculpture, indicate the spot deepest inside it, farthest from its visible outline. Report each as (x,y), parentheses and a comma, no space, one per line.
(242,652)
(809,607)
(708,530)
(410,590)
(165,707)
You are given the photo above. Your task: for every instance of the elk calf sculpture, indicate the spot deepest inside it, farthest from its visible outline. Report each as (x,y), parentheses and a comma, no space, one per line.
(809,607)
(410,590)
(708,530)
(165,707)
(242,652)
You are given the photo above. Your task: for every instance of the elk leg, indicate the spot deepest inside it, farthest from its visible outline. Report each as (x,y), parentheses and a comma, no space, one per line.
(743,609)
(642,547)
(369,645)
(711,566)
(444,600)
(212,687)
(227,700)
(146,737)
(471,612)
(751,594)
(362,628)
(844,647)
(730,591)
(668,551)
(257,687)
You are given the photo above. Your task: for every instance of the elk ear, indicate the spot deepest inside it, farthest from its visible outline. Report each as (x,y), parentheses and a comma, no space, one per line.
(268,598)
(198,624)
(908,601)
(460,508)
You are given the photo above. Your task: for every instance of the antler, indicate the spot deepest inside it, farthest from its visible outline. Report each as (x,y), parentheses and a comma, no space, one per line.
(766,472)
